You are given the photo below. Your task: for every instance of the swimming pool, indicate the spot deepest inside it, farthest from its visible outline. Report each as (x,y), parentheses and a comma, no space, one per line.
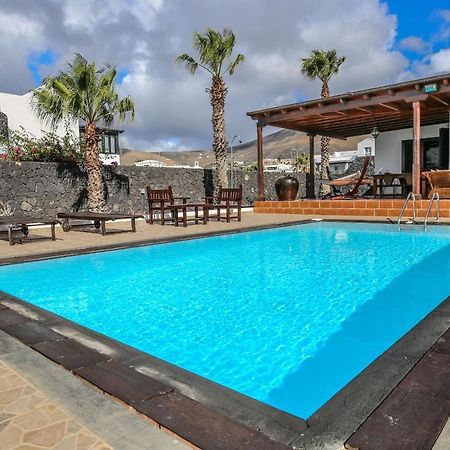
(287,316)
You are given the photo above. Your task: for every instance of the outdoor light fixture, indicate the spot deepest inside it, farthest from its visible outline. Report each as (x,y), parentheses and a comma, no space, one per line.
(235,137)
(375,133)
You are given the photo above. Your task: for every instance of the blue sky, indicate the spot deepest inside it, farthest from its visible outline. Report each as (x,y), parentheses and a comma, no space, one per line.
(424,19)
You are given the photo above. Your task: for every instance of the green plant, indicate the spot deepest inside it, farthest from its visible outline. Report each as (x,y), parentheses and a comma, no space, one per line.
(23,146)
(251,168)
(301,163)
(322,64)
(214,50)
(85,93)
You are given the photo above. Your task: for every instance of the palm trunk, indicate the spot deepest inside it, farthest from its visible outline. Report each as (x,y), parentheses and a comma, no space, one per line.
(324,150)
(217,94)
(96,192)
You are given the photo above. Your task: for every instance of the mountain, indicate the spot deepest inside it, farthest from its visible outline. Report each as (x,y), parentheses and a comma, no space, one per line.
(276,145)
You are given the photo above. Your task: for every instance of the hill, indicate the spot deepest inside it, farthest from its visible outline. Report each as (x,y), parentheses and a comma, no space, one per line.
(276,145)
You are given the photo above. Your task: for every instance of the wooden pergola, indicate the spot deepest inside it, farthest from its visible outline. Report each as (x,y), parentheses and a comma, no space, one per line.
(411,104)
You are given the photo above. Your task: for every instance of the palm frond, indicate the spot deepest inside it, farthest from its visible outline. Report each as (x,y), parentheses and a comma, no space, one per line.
(189,62)
(213,48)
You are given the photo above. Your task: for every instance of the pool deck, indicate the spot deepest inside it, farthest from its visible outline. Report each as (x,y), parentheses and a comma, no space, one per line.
(39,244)
(384,400)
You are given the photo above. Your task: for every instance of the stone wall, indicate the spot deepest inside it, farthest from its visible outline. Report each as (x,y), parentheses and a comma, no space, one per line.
(38,188)
(3,125)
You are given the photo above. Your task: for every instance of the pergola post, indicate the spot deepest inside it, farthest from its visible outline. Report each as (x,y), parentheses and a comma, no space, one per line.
(259,135)
(416,168)
(311,185)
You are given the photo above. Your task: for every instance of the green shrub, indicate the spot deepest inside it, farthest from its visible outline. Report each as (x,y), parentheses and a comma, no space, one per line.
(22,146)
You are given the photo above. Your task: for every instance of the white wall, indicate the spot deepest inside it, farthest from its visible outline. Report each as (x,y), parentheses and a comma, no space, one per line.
(19,112)
(389,146)
(368,142)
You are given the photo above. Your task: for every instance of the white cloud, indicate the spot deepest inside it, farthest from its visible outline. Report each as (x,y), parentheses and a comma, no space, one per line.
(145,36)
(414,44)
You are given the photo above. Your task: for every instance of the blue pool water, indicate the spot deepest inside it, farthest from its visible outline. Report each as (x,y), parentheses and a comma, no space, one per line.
(287,316)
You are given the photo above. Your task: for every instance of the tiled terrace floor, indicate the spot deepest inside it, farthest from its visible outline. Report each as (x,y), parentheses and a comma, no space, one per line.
(40,244)
(28,419)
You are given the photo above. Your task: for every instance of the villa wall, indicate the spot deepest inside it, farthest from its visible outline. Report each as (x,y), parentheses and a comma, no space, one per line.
(389,146)
(37,188)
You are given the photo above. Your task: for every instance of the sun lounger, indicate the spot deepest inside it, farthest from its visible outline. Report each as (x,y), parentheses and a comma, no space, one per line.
(15,224)
(439,182)
(356,180)
(98,220)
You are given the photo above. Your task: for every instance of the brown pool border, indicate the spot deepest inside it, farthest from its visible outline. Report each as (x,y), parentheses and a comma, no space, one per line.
(233,420)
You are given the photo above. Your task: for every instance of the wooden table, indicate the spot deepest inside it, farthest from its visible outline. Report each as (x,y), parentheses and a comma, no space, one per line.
(99,219)
(23,224)
(183,219)
(379,182)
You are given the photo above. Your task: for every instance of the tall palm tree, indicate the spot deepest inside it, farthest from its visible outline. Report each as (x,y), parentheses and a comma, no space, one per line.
(84,93)
(322,64)
(214,51)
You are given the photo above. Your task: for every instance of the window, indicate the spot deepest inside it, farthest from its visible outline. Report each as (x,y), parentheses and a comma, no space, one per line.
(109,144)
(433,153)
(367,151)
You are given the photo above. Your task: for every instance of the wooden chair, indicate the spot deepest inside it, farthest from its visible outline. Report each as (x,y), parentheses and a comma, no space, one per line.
(162,200)
(439,181)
(227,200)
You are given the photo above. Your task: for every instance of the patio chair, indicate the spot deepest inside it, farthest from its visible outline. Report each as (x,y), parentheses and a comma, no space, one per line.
(439,181)
(163,201)
(227,200)
(356,180)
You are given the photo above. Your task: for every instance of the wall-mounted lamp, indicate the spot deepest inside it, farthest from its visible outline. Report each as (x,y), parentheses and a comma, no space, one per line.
(375,132)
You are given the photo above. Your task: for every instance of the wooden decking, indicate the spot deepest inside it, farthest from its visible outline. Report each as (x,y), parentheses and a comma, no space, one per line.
(414,414)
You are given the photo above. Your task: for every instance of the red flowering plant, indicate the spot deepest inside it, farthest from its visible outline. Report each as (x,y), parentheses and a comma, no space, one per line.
(50,147)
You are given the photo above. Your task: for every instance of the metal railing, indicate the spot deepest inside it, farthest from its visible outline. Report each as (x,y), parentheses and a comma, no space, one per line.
(412,197)
(434,197)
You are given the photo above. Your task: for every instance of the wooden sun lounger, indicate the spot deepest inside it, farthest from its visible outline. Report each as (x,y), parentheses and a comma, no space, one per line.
(99,219)
(22,224)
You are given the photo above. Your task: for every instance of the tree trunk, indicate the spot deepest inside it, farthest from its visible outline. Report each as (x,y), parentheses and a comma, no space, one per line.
(96,192)
(217,94)
(324,150)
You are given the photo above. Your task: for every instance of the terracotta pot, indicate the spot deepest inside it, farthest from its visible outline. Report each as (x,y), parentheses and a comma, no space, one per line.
(287,188)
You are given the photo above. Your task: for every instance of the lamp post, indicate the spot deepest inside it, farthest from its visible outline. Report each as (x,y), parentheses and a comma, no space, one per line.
(236,136)
(293,151)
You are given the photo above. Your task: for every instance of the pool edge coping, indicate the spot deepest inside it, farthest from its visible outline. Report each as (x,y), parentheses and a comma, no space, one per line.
(320,423)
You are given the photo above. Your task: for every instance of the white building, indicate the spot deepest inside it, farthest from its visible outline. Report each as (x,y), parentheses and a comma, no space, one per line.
(18,109)
(150,163)
(20,115)
(395,149)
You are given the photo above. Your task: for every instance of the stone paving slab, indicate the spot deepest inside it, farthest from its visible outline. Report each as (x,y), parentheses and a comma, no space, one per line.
(112,423)
(77,240)
(29,420)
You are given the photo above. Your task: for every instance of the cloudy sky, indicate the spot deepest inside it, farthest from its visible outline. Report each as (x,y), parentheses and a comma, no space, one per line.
(384,42)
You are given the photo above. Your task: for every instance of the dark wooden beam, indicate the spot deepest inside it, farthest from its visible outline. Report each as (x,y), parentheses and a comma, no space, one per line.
(259,137)
(311,186)
(416,149)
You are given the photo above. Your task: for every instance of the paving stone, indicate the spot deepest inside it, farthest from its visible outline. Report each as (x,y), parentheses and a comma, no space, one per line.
(123,382)
(32,332)
(202,426)
(43,425)
(70,353)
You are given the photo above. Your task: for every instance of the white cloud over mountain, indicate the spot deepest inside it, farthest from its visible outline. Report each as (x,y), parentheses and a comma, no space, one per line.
(143,37)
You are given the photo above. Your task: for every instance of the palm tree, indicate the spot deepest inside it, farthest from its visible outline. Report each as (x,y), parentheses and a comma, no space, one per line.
(84,93)
(301,163)
(322,64)
(214,51)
